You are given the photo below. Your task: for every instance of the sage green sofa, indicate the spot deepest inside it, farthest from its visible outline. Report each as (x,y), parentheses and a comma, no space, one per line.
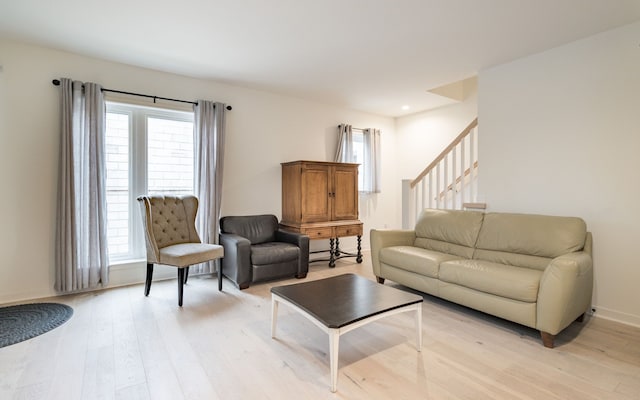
(534,270)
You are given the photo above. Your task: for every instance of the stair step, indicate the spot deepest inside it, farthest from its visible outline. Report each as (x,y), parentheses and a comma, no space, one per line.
(474,206)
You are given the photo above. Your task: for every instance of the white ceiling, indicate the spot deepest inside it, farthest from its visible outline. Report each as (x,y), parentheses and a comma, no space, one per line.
(369,55)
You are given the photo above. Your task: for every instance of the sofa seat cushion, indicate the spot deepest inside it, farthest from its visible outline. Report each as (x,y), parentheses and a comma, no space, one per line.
(415,259)
(498,279)
(273,253)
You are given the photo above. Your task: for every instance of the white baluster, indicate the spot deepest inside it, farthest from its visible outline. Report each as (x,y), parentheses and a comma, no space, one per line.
(438,185)
(463,168)
(454,175)
(416,205)
(430,194)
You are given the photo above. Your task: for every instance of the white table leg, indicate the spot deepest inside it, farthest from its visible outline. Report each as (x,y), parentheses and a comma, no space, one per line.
(419,327)
(334,344)
(274,315)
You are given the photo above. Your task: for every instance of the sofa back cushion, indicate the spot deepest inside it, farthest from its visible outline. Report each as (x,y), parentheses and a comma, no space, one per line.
(448,231)
(528,240)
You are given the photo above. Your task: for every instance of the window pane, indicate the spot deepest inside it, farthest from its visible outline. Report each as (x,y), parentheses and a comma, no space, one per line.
(117,183)
(170,156)
(358,156)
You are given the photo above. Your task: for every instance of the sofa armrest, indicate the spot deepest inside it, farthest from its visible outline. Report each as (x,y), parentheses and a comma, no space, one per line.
(381,238)
(565,291)
(236,264)
(290,237)
(300,240)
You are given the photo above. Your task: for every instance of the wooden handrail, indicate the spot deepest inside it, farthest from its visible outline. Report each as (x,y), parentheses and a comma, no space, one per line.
(442,155)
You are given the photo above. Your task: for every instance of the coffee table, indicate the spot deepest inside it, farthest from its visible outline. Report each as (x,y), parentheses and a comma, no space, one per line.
(342,303)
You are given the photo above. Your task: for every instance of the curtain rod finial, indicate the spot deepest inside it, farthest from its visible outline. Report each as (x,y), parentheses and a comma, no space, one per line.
(56,82)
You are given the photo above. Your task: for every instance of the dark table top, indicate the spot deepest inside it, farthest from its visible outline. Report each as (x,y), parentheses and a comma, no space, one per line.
(344,299)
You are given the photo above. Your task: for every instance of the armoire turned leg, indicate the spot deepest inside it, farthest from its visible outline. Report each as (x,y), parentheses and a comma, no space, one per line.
(186,274)
(332,260)
(180,285)
(147,282)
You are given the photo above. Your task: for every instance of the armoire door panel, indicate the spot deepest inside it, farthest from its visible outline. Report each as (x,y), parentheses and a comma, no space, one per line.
(345,194)
(316,204)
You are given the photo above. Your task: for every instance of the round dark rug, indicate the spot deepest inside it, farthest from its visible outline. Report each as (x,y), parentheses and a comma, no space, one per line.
(25,321)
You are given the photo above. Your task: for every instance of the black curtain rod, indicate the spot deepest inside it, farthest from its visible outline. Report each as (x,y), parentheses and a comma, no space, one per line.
(57,83)
(357,129)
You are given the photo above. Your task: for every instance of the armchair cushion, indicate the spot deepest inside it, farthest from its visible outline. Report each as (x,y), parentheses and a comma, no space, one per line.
(273,252)
(185,254)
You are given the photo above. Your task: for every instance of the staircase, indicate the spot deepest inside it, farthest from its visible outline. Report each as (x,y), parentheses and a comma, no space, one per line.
(449,182)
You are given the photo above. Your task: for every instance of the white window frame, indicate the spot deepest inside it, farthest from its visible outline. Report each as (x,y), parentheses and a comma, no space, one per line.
(138,167)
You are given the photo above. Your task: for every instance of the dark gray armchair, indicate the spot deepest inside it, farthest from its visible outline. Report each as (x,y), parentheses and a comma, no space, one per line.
(255,249)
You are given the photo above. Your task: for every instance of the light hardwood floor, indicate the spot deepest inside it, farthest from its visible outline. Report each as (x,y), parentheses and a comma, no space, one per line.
(121,345)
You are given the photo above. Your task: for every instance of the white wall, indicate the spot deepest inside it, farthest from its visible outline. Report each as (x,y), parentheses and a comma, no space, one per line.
(263,130)
(422,136)
(560,135)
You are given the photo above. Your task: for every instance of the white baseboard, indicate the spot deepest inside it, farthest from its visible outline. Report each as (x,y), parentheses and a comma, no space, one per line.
(617,316)
(135,272)
(130,273)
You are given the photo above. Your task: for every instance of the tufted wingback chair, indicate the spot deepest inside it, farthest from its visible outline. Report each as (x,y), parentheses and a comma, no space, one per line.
(257,250)
(171,237)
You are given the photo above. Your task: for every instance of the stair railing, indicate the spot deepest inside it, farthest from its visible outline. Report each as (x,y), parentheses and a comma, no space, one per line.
(450,181)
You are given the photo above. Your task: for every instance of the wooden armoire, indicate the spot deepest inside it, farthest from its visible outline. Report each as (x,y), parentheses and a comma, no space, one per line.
(320,199)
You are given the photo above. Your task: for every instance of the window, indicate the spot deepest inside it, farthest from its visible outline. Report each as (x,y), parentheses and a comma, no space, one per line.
(148,150)
(361,146)
(358,155)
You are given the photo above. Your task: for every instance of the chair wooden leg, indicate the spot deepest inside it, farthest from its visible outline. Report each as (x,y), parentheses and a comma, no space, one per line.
(180,285)
(219,276)
(186,275)
(147,283)
(380,280)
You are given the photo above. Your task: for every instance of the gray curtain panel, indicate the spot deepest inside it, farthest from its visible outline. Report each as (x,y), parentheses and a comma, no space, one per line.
(81,233)
(209,144)
(372,170)
(345,144)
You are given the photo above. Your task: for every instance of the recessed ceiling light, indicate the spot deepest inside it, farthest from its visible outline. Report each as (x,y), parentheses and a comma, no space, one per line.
(405,107)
